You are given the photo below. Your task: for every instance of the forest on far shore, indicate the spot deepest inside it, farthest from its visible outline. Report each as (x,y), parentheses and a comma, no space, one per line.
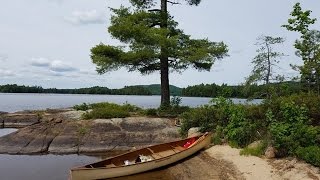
(201,90)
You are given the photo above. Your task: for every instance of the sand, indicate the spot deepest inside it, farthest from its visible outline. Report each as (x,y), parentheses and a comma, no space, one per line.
(253,168)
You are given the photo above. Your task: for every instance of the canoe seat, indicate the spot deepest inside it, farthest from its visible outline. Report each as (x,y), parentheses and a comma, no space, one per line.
(110,165)
(156,156)
(178,148)
(166,153)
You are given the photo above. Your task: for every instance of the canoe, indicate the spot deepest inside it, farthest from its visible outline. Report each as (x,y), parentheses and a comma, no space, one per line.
(141,160)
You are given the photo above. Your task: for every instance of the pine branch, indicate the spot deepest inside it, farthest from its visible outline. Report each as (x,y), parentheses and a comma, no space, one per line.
(173,3)
(154,10)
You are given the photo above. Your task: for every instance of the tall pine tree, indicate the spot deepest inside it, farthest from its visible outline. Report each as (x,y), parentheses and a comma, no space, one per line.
(154,43)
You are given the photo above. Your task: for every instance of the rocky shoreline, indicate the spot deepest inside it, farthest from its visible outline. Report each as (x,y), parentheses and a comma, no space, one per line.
(64,132)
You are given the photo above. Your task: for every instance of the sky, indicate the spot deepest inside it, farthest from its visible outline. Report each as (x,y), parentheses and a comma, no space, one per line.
(47,42)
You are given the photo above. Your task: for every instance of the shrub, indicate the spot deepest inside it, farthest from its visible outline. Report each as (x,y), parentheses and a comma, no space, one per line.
(240,131)
(202,117)
(81,107)
(289,129)
(309,100)
(310,154)
(151,112)
(106,113)
(218,135)
(109,110)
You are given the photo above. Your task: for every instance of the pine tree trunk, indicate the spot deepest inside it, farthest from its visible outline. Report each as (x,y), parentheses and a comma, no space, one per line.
(164,66)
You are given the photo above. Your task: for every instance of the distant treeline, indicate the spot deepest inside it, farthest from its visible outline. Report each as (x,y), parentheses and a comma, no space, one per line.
(202,90)
(127,90)
(242,91)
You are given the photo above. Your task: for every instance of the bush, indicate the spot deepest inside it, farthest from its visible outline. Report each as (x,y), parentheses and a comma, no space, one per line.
(81,107)
(110,110)
(106,113)
(310,154)
(309,100)
(172,111)
(202,117)
(240,131)
(289,129)
(218,135)
(151,112)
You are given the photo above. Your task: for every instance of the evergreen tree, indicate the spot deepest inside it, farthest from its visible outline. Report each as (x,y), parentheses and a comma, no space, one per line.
(308,46)
(154,43)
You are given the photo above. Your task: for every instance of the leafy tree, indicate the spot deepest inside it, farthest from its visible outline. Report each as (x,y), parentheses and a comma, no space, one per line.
(265,61)
(154,43)
(308,46)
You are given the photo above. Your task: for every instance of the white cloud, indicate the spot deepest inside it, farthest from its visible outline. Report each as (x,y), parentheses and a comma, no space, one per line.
(88,72)
(59,66)
(40,62)
(3,57)
(86,17)
(6,73)
(54,66)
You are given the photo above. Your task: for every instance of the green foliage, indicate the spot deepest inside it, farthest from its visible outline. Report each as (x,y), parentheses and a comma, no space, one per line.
(224,117)
(308,47)
(81,107)
(266,60)
(155,89)
(218,135)
(300,20)
(310,154)
(154,44)
(151,112)
(258,151)
(106,113)
(174,109)
(289,129)
(240,131)
(110,110)
(309,100)
(198,117)
(242,91)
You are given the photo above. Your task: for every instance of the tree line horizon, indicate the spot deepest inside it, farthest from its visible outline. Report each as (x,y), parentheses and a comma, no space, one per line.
(201,90)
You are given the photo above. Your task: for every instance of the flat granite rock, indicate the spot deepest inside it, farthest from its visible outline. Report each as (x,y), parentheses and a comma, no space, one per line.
(17,120)
(60,135)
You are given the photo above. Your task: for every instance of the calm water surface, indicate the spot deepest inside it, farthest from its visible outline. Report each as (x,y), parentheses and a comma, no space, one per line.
(11,102)
(40,167)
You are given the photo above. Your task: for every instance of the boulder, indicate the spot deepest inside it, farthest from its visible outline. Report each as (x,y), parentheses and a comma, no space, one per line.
(255,144)
(195,131)
(270,152)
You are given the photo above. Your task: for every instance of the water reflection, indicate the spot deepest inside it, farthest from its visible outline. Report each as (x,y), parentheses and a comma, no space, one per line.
(6,131)
(46,167)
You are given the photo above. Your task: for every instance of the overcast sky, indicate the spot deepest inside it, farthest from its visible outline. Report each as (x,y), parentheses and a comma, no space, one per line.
(47,42)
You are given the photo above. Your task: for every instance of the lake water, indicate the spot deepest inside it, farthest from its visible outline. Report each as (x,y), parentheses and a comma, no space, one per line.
(11,102)
(39,167)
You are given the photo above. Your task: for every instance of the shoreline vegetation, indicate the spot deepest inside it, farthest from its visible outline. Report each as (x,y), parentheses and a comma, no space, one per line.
(201,90)
(287,126)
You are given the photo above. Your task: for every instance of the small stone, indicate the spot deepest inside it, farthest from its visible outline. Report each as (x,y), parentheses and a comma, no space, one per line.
(255,144)
(270,152)
(195,131)
(58,120)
